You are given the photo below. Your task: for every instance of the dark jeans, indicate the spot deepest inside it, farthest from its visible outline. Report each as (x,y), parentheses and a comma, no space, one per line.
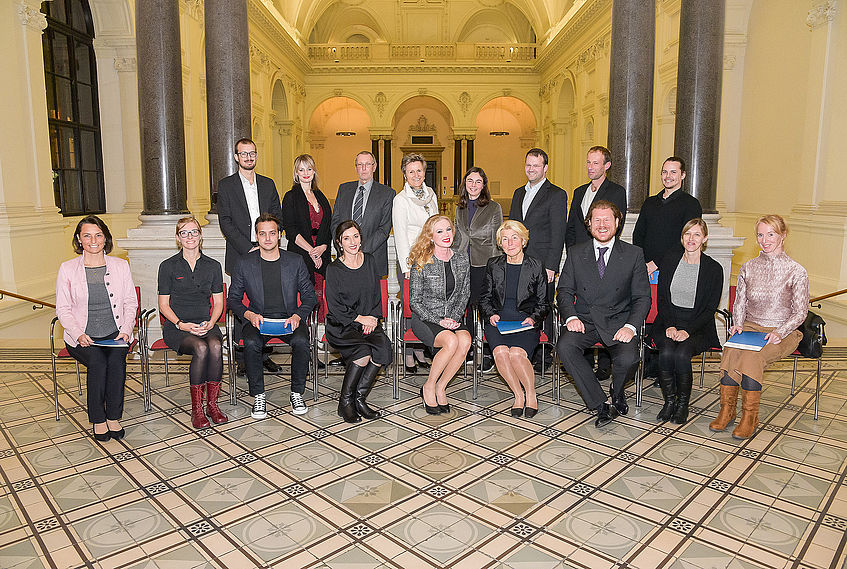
(254,342)
(571,348)
(105,377)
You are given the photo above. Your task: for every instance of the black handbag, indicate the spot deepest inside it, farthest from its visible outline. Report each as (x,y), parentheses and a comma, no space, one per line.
(814,337)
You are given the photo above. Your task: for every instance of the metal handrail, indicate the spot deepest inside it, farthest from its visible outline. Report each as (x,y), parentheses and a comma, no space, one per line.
(36,304)
(818,298)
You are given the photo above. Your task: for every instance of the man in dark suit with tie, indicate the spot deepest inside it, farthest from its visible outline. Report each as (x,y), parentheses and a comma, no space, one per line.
(272,279)
(543,209)
(368,203)
(599,187)
(604,296)
(241,197)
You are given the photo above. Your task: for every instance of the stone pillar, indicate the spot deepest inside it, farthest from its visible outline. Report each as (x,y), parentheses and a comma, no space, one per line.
(160,107)
(469,156)
(386,166)
(457,164)
(227,85)
(375,148)
(698,96)
(631,96)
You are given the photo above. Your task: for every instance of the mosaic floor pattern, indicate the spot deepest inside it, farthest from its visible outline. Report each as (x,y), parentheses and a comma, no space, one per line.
(474,488)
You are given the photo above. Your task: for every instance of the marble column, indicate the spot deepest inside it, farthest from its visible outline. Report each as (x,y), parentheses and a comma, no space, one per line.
(457,164)
(469,155)
(698,96)
(227,85)
(631,96)
(375,148)
(160,107)
(386,165)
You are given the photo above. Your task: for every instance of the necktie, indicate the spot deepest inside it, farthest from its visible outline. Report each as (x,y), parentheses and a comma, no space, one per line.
(601,260)
(358,205)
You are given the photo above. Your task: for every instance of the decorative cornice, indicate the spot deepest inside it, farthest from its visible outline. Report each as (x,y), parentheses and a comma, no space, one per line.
(592,53)
(546,90)
(31,17)
(284,37)
(590,13)
(259,60)
(125,64)
(822,12)
(412,67)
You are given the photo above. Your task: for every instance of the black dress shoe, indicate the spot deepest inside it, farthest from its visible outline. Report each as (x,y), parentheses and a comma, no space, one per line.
(240,369)
(117,435)
(603,374)
(424,364)
(605,415)
(336,362)
(620,404)
(517,411)
(529,412)
(436,410)
(102,437)
(270,365)
(411,369)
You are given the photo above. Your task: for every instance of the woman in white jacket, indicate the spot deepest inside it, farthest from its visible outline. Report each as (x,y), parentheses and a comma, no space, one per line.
(412,207)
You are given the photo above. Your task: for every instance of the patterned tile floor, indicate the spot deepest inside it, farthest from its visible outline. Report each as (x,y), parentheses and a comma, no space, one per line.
(472,489)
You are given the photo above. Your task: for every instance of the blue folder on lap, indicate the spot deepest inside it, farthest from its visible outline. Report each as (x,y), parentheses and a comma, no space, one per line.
(111,343)
(511,326)
(275,327)
(754,341)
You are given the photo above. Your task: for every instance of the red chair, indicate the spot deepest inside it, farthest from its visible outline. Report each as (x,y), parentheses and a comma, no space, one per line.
(273,342)
(387,316)
(63,354)
(160,346)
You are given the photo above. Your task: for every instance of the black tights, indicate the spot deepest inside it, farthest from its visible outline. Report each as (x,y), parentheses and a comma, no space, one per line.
(207,363)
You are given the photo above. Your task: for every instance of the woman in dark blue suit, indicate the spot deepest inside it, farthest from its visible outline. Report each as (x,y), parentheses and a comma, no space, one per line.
(515,289)
(689,291)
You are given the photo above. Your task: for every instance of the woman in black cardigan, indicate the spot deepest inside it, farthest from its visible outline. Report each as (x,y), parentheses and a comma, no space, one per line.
(515,289)
(306,216)
(689,291)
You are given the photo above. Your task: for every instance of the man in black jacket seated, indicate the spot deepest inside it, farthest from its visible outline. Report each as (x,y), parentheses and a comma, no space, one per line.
(272,279)
(604,296)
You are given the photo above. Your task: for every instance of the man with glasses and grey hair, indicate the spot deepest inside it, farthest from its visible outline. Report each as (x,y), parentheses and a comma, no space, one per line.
(241,198)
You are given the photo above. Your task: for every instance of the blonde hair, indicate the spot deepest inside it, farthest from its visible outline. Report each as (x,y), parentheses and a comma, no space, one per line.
(182,222)
(691,223)
(517,227)
(310,162)
(422,251)
(775,222)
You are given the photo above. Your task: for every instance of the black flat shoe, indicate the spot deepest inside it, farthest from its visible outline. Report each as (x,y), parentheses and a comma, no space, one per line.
(517,411)
(117,435)
(529,412)
(411,369)
(436,410)
(102,437)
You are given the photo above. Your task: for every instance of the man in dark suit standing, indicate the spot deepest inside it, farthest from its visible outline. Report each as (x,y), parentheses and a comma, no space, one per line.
(599,187)
(598,162)
(368,203)
(543,209)
(272,279)
(604,296)
(241,198)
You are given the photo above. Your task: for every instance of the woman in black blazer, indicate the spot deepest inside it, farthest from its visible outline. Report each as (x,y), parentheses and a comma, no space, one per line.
(689,292)
(306,217)
(515,289)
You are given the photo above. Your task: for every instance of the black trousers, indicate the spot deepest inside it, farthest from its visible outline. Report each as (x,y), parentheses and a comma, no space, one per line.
(571,348)
(104,379)
(254,342)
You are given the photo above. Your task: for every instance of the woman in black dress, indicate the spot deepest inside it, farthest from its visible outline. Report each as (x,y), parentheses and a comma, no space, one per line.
(689,291)
(515,290)
(353,323)
(306,216)
(187,282)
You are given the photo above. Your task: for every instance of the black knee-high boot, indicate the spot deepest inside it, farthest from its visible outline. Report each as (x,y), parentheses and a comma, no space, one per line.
(366,381)
(683,396)
(668,386)
(346,405)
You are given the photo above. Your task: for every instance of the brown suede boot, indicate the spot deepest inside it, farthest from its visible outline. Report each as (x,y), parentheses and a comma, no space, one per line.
(213,389)
(198,418)
(729,403)
(749,414)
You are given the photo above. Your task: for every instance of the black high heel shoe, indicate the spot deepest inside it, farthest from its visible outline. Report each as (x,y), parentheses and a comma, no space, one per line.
(517,411)
(444,408)
(529,412)
(118,435)
(436,410)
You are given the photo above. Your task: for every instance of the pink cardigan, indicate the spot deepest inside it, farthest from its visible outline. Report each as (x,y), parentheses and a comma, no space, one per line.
(72,297)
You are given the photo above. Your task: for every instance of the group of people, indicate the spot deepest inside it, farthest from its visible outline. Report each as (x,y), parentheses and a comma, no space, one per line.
(475,263)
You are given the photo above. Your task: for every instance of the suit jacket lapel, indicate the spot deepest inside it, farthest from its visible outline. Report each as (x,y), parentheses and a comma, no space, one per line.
(498,274)
(588,258)
(523,284)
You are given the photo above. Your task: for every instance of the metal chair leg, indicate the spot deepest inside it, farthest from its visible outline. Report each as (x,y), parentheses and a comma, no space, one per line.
(794,376)
(702,369)
(817,389)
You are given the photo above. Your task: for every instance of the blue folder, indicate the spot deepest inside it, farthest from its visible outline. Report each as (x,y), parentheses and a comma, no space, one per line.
(512,326)
(754,341)
(275,327)
(111,343)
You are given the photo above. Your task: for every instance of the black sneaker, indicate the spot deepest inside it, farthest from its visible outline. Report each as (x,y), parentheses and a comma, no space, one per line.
(298,406)
(259,407)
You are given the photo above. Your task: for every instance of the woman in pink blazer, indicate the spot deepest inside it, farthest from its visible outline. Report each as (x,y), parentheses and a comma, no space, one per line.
(96,302)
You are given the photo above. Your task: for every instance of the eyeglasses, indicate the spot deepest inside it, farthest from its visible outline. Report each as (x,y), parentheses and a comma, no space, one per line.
(246,154)
(365,165)
(186,232)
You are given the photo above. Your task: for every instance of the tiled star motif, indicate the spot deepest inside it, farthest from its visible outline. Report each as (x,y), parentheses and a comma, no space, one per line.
(367,492)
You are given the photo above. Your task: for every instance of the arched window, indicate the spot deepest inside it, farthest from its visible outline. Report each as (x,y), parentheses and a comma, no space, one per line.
(70,72)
